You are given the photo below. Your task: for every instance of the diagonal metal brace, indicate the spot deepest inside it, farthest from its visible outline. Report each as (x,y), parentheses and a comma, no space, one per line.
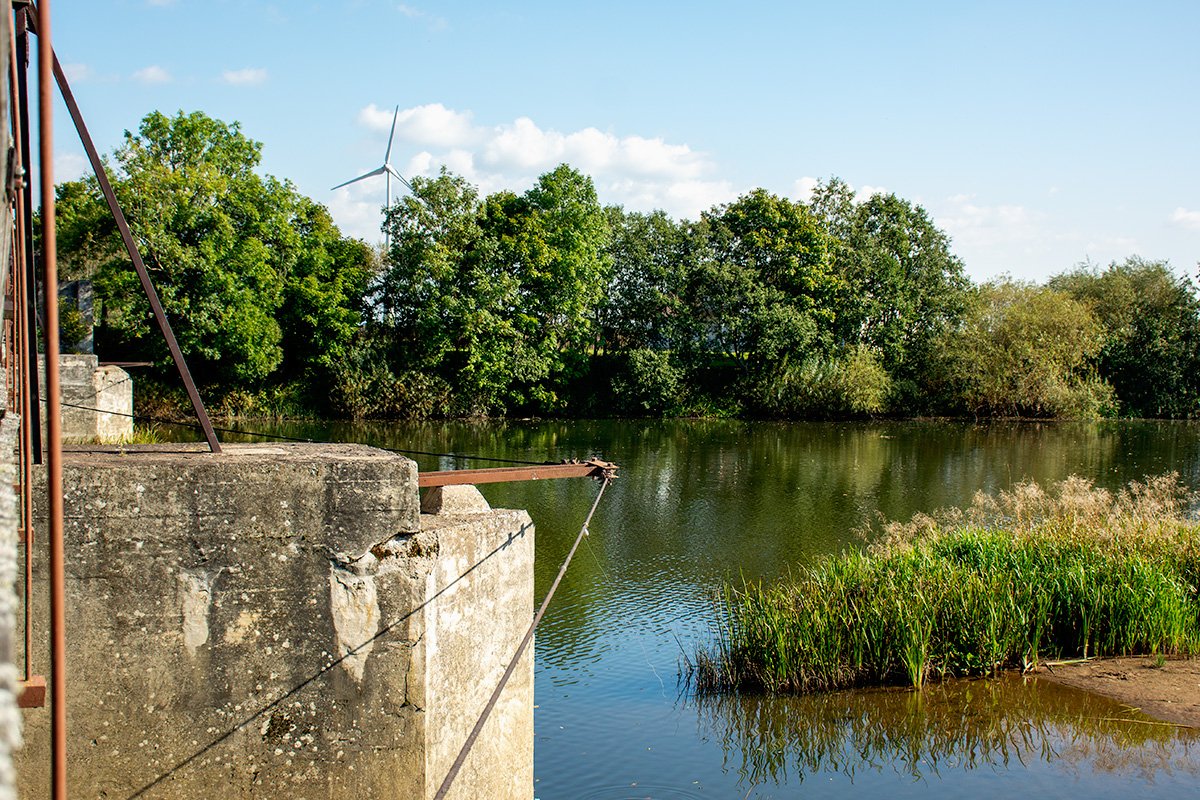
(135,255)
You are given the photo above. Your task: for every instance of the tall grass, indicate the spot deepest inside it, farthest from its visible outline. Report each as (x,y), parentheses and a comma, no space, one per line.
(1018,577)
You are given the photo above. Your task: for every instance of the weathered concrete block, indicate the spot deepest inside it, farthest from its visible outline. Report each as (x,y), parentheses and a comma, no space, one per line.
(85,385)
(255,623)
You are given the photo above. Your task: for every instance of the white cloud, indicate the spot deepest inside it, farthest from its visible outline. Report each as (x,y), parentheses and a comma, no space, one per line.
(867,192)
(1111,248)
(70,166)
(358,209)
(435,22)
(431,124)
(642,173)
(973,225)
(804,187)
(152,74)
(1186,219)
(76,73)
(250,76)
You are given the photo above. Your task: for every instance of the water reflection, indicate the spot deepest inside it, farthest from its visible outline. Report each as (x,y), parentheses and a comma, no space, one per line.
(699,502)
(954,726)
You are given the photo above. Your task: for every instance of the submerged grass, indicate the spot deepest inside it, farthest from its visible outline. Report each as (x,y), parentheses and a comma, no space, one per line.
(1018,577)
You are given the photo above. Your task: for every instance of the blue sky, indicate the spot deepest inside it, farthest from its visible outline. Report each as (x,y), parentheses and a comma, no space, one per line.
(1037,134)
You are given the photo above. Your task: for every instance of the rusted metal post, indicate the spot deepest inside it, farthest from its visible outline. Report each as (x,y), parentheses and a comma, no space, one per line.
(58,616)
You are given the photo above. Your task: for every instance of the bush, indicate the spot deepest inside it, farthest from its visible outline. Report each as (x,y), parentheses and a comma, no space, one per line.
(649,384)
(850,384)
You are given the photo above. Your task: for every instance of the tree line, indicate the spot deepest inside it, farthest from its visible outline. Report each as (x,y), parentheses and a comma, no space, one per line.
(547,302)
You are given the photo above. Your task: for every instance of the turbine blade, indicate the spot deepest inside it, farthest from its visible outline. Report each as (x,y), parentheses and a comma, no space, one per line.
(370,174)
(388,155)
(392,171)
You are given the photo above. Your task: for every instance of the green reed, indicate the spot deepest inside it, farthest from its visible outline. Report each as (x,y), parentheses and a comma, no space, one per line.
(1073,573)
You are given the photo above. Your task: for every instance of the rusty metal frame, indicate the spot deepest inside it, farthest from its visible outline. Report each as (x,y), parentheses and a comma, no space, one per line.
(135,255)
(463,477)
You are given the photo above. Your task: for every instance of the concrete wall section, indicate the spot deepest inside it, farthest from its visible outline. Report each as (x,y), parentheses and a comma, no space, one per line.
(87,385)
(485,563)
(257,624)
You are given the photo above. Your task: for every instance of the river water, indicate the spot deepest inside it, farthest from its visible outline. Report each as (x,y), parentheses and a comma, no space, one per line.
(701,502)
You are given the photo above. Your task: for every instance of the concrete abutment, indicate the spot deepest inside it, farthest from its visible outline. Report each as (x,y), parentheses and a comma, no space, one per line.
(282,621)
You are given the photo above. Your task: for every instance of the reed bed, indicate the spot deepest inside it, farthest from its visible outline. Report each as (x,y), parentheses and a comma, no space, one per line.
(1017,578)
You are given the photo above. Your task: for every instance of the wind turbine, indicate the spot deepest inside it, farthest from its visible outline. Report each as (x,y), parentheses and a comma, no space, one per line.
(387,170)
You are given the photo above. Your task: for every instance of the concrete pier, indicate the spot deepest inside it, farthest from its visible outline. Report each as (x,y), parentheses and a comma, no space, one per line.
(282,621)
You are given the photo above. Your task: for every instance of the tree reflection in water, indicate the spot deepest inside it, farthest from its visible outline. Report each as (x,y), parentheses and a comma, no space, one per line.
(955,725)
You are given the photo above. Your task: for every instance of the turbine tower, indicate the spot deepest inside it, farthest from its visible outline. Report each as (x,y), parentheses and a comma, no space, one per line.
(387,170)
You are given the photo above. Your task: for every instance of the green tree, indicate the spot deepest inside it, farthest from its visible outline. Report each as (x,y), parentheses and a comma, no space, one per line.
(225,248)
(900,285)
(1151,320)
(759,290)
(1025,350)
(649,256)
(500,295)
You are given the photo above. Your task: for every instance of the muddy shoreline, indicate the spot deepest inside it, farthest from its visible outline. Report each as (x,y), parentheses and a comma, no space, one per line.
(1169,691)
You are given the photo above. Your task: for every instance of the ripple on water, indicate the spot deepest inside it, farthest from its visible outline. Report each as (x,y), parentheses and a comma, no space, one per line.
(639,791)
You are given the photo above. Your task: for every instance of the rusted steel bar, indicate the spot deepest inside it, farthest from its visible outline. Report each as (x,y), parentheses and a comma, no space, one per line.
(135,256)
(54,505)
(20,110)
(461,477)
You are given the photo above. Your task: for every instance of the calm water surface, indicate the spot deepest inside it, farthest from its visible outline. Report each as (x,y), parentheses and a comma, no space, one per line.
(699,502)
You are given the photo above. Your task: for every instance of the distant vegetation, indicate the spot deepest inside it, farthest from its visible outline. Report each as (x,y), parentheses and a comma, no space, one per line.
(545,302)
(1021,577)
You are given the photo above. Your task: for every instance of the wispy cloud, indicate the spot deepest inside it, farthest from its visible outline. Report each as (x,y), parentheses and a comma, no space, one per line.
(1186,219)
(412,12)
(70,166)
(152,74)
(78,73)
(972,224)
(250,76)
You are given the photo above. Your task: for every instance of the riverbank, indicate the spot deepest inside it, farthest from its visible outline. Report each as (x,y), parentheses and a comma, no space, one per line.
(1168,690)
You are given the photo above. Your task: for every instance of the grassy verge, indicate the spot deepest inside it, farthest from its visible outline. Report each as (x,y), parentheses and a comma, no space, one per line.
(1019,577)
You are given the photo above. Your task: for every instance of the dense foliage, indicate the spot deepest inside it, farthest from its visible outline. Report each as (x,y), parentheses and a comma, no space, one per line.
(546,302)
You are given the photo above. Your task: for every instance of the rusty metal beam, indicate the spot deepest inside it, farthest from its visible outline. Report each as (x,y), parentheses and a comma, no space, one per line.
(462,477)
(131,247)
(54,476)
